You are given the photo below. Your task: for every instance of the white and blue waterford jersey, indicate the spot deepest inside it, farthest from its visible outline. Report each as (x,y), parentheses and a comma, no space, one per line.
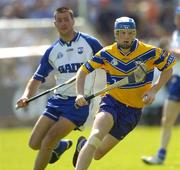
(65,58)
(175,44)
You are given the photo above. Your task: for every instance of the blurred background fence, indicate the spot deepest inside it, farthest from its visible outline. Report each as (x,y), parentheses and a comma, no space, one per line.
(26,30)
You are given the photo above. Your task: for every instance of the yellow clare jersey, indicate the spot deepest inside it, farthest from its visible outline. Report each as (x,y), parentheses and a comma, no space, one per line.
(118,65)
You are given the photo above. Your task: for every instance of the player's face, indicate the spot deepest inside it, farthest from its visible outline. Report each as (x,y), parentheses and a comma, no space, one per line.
(177,21)
(124,37)
(64,23)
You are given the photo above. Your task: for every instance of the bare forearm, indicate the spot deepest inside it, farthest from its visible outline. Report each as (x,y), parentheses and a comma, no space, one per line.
(163,79)
(31,88)
(80,81)
(176,52)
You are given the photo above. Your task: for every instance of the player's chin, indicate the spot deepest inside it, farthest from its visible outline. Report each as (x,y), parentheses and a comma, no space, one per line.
(63,32)
(125,45)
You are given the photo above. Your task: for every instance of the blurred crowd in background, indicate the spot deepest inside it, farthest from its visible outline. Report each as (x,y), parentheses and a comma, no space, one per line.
(154,20)
(154,17)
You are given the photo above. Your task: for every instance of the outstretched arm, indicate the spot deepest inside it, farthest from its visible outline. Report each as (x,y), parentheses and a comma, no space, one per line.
(29,91)
(149,96)
(176,52)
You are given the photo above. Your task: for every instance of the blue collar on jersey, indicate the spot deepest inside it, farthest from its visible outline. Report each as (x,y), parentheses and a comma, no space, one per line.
(76,37)
(133,47)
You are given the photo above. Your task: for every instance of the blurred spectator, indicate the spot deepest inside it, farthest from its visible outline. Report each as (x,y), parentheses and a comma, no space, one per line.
(153,17)
(105,23)
(166,17)
(25,37)
(14,10)
(43,8)
(8,76)
(33,8)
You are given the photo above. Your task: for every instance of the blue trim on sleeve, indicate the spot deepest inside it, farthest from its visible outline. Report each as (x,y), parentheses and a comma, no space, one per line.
(93,42)
(162,57)
(89,67)
(44,67)
(98,60)
(159,60)
(170,60)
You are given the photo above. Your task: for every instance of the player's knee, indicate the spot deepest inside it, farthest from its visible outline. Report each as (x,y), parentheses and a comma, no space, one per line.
(34,145)
(94,140)
(98,154)
(164,120)
(166,123)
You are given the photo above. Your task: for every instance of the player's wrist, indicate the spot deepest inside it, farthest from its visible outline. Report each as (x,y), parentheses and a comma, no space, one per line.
(156,88)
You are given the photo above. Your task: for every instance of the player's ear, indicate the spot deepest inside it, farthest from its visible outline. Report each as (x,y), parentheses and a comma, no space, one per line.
(115,35)
(54,19)
(135,33)
(55,24)
(73,21)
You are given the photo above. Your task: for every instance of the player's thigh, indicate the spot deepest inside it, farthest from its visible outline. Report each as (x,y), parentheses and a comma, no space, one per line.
(102,124)
(170,111)
(59,130)
(107,144)
(39,131)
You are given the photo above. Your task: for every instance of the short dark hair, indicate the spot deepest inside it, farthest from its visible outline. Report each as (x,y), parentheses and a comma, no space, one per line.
(62,10)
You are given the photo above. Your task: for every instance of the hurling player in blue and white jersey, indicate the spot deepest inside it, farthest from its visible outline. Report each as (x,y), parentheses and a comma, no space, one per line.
(171,108)
(60,117)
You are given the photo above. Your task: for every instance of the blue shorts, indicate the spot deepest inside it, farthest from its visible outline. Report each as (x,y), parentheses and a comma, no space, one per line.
(125,117)
(174,88)
(58,106)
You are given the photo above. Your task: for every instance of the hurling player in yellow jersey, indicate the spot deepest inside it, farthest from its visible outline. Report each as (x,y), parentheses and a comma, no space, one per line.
(121,108)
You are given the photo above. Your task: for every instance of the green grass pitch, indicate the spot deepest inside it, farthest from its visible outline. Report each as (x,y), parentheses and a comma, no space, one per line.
(15,154)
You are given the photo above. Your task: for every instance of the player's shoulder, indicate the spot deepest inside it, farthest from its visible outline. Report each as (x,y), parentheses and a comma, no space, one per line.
(110,47)
(175,34)
(157,50)
(88,37)
(92,42)
(53,45)
(85,35)
(50,48)
(146,45)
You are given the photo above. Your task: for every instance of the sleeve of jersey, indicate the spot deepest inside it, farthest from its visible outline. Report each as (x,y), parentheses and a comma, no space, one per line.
(164,60)
(44,68)
(94,63)
(96,46)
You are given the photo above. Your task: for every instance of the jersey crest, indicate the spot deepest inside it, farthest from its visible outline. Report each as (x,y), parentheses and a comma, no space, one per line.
(80,50)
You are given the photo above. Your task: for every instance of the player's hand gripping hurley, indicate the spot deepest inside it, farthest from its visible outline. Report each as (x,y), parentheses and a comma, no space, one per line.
(137,76)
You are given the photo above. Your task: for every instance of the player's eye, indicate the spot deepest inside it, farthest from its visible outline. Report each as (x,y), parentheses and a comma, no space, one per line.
(58,20)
